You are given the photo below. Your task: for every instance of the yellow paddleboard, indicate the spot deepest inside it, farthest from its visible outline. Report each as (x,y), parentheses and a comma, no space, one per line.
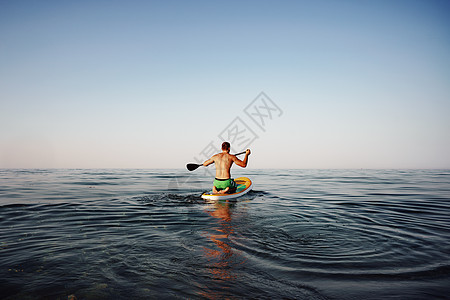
(244,185)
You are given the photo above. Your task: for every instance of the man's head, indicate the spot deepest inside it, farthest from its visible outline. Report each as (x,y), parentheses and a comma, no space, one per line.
(226,146)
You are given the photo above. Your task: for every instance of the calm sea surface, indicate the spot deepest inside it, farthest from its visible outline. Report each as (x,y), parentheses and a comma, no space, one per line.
(300,234)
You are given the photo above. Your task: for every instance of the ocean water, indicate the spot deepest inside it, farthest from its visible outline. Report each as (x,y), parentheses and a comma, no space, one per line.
(300,234)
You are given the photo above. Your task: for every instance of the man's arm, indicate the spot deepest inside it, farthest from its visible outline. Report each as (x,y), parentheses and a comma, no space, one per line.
(209,161)
(242,163)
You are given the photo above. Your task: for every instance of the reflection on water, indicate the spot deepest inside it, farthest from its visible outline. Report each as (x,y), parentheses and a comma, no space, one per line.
(222,258)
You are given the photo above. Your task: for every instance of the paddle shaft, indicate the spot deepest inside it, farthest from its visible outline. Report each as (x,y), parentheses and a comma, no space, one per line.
(240,153)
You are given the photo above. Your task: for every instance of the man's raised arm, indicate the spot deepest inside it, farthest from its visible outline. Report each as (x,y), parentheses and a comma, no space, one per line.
(242,163)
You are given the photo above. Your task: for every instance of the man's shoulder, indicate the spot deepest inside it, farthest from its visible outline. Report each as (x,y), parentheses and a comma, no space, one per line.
(218,155)
(231,157)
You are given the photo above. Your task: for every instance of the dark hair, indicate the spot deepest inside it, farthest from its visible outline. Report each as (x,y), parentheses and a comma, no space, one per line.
(225,146)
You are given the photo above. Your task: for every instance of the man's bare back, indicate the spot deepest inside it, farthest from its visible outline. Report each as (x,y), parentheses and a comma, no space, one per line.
(223,162)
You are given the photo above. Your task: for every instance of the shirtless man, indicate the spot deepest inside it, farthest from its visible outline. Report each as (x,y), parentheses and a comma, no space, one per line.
(223,183)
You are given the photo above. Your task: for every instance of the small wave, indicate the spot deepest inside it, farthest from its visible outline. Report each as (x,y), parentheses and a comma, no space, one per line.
(389,274)
(94,183)
(168,199)
(258,193)
(15,205)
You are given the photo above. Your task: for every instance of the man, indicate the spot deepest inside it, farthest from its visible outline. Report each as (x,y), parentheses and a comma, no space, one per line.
(223,183)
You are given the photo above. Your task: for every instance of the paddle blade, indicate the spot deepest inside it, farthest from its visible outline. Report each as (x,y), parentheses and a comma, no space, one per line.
(192,167)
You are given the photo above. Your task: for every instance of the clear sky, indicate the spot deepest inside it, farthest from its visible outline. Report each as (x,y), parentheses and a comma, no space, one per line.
(150,84)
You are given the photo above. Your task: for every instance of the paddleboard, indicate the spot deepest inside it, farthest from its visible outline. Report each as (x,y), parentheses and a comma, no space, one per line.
(244,185)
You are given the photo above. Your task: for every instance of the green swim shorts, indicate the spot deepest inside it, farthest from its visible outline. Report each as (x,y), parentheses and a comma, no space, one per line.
(222,184)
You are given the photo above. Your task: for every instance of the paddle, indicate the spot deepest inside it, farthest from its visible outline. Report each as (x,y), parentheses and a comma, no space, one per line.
(192,167)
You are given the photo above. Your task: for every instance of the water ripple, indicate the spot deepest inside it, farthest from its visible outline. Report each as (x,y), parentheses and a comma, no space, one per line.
(301,234)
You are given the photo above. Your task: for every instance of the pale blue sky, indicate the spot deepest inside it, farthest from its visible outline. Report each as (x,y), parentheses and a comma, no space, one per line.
(149,84)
